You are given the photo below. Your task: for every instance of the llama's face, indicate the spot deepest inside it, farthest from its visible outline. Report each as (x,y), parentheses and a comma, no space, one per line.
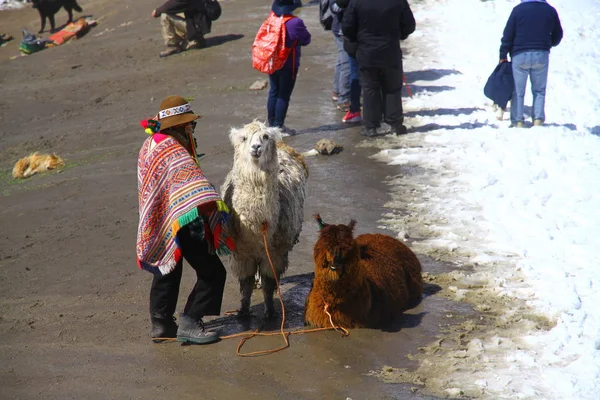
(255,142)
(336,253)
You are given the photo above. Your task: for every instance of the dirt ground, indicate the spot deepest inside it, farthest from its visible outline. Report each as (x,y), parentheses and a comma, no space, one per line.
(73,305)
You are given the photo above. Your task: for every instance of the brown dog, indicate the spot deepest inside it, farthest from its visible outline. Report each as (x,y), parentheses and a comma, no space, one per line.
(365,282)
(35,163)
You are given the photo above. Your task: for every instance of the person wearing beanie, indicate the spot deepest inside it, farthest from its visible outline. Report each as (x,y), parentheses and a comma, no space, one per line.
(181,216)
(282,82)
(532,29)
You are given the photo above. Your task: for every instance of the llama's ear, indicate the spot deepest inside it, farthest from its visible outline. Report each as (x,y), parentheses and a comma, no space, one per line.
(352,224)
(320,221)
(236,136)
(275,134)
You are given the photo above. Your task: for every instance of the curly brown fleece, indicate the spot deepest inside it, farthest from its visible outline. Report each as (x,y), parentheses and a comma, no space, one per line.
(366,282)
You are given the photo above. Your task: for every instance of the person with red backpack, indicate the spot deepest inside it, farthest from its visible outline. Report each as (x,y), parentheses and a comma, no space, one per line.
(282,81)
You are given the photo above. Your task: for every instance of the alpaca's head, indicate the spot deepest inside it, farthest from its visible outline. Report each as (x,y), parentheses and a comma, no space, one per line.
(255,144)
(336,253)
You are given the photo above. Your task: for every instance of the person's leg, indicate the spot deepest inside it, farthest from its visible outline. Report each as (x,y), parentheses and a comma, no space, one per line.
(354,114)
(336,75)
(207,295)
(343,74)
(391,87)
(520,68)
(163,301)
(173,32)
(272,100)
(539,79)
(372,102)
(286,87)
(354,86)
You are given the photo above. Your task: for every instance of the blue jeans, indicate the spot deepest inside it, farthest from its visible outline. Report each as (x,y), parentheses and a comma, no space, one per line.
(341,76)
(281,86)
(354,86)
(532,64)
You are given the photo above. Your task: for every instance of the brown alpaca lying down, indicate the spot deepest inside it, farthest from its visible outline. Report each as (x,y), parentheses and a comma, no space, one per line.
(35,163)
(366,282)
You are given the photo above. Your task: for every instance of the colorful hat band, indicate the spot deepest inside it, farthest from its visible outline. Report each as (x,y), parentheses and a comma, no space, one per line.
(170,112)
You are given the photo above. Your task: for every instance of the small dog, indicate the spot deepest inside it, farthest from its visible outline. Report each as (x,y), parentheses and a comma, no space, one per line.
(47,9)
(35,163)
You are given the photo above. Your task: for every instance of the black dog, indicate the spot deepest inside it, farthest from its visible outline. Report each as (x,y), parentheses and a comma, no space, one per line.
(47,9)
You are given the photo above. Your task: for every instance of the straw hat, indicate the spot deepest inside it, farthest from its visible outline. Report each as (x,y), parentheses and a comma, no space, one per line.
(175,110)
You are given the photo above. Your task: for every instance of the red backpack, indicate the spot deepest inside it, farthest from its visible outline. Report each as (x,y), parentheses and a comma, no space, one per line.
(268,51)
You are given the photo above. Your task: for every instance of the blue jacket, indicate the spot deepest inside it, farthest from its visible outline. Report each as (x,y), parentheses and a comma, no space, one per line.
(499,86)
(532,25)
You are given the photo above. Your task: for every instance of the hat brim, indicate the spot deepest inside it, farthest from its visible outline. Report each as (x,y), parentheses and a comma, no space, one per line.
(180,119)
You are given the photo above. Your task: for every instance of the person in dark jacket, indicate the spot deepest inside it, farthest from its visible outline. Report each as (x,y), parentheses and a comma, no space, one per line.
(183,33)
(378,26)
(282,82)
(531,30)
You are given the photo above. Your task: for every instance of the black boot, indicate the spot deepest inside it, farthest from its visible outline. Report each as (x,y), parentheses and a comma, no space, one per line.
(163,328)
(400,129)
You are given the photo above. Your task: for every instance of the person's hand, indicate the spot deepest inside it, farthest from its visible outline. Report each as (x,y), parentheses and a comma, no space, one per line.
(155,14)
(503,60)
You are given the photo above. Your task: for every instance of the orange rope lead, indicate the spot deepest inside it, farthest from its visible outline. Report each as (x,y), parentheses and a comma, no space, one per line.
(284,334)
(246,336)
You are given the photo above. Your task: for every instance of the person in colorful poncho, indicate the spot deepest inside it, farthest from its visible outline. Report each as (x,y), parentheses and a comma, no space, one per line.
(181,216)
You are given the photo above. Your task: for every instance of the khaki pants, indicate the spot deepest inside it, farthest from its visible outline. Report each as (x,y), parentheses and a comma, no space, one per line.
(173,30)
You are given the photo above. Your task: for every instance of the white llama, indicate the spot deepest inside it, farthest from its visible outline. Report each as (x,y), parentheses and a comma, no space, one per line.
(267,183)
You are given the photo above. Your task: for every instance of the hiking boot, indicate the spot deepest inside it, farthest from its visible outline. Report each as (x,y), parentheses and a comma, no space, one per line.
(399,129)
(519,124)
(335,96)
(368,132)
(192,331)
(538,122)
(163,328)
(352,117)
(345,107)
(169,52)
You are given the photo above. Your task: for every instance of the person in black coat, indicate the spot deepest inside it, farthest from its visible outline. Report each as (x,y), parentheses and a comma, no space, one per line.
(183,33)
(377,26)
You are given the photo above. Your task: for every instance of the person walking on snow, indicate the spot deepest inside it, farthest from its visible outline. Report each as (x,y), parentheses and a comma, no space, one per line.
(377,26)
(183,33)
(533,27)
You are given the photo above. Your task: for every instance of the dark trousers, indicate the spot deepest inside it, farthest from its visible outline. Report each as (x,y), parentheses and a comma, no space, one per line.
(207,294)
(382,96)
(281,86)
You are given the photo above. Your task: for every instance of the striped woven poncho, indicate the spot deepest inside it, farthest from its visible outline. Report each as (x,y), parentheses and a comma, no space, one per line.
(173,192)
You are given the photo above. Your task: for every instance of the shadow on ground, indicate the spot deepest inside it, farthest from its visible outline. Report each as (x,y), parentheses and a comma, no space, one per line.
(326,128)
(429,74)
(221,39)
(443,111)
(434,127)
(294,299)
(429,89)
